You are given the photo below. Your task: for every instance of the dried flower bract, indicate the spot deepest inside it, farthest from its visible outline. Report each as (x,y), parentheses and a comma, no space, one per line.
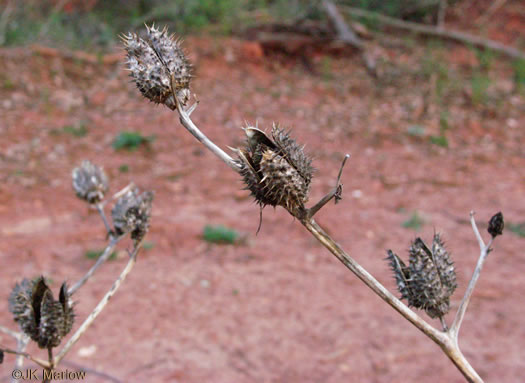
(429,280)
(90,182)
(159,66)
(44,319)
(131,214)
(276,170)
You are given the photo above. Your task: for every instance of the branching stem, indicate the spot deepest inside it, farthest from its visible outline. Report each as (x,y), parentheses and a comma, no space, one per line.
(100,209)
(186,121)
(38,361)
(446,340)
(334,193)
(101,305)
(10,332)
(103,258)
(484,252)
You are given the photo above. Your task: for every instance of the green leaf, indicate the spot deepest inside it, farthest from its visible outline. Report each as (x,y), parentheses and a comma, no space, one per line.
(123,168)
(131,140)
(517,228)
(77,131)
(148,245)
(415,222)
(439,140)
(219,234)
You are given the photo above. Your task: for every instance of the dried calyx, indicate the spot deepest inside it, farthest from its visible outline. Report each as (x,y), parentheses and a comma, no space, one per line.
(90,182)
(159,66)
(131,214)
(44,319)
(275,169)
(430,278)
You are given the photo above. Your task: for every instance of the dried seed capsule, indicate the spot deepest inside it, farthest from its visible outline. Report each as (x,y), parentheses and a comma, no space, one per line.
(276,170)
(401,275)
(39,315)
(90,182)
(157,63)
(496,225)
(430,279)
(67,307)
(132,213)
(20,305)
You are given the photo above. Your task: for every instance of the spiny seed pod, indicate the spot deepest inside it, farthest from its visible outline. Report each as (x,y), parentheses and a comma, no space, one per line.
(496,225)
(20,305)
(132,212)
(159,66)
(276,170)
(90,182)
(40,316)
(430,279)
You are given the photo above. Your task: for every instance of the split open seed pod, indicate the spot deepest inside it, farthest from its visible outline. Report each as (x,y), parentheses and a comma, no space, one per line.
(275,168)
(132,213)
(429,280)
(44,319)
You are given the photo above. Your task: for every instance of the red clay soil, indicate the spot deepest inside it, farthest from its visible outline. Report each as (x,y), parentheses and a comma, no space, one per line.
(276,307)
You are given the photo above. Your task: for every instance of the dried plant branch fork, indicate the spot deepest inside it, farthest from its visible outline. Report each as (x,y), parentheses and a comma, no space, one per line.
(101,305)
(46,320)
(444,339)
(447,340)
(277,172)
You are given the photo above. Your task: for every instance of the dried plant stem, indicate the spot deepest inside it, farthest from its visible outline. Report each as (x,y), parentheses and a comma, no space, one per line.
(103,258)
(318,232)
(186,121)
(447,343)
(100,209)
(21,343)
(101,305)
(447,340)
(14,334)
(22,354)
(443,323)
(51,365)
(335,192)
(21,346)
(484,252)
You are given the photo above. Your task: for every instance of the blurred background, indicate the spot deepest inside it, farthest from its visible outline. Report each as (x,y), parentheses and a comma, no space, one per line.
(433,122)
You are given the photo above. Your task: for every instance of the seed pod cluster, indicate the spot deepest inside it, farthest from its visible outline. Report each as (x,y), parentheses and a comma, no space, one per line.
(430,279)
(132,212)
(275,169)
(44,319)
(157,63)
(90,182)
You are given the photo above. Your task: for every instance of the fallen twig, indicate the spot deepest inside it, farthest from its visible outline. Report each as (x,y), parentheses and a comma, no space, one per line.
(348,36)
(461,37)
